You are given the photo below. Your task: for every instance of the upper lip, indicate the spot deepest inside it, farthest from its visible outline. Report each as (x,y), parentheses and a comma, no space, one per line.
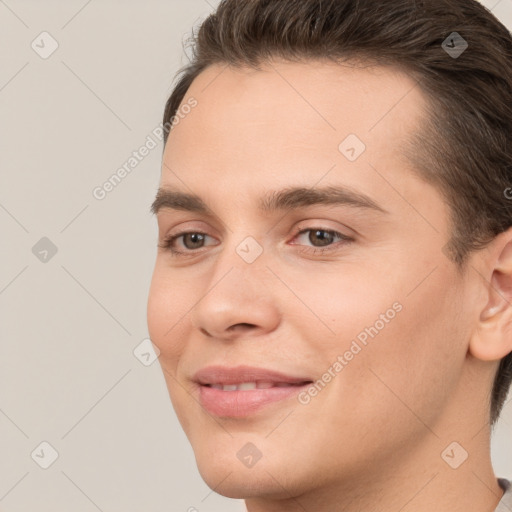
(240,374)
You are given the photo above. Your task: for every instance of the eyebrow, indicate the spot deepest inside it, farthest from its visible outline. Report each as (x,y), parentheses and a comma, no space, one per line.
(291,198)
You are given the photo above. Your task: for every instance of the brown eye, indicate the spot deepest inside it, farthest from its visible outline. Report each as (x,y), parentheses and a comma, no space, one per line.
(193,240)
(321,236)
(321,241)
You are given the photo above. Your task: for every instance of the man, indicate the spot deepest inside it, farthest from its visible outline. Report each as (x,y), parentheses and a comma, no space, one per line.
(332,292)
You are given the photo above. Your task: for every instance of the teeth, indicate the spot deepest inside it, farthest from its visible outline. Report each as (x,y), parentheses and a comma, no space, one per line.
(247,386)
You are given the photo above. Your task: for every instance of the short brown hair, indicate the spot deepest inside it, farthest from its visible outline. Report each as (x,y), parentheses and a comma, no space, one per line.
(464,146)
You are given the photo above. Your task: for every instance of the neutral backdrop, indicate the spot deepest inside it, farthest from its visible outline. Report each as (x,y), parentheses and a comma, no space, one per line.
(75,270)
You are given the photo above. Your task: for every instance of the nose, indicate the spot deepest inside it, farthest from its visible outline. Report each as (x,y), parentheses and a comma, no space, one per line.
(238,302)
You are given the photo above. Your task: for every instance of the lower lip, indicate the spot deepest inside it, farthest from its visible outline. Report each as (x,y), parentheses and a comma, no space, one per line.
(237,404)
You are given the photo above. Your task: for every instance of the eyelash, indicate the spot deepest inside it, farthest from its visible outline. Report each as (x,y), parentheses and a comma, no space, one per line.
(168,242)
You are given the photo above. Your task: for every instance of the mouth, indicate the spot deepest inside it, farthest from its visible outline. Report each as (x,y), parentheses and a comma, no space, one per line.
(242,391)
(247,386)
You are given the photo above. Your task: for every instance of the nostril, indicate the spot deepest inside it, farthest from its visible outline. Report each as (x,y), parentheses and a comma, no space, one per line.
(243,324)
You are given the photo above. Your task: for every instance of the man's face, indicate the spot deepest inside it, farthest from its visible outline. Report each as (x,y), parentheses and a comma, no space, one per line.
(377,321)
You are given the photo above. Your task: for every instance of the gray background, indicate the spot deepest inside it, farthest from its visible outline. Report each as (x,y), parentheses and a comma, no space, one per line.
(69,324)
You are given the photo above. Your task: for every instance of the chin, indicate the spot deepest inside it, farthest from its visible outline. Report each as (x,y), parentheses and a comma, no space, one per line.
(234,467)
(239,482)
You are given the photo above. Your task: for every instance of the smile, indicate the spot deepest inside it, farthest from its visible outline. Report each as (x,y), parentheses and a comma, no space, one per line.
(242,391)
(245,386)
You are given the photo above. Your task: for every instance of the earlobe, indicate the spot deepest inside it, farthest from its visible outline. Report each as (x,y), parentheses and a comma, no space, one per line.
(492,339)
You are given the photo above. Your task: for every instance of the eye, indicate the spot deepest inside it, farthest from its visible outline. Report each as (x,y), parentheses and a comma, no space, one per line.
(191,240)
(322,240)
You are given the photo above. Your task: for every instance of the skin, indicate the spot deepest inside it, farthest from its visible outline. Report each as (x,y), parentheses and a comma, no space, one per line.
(372,439)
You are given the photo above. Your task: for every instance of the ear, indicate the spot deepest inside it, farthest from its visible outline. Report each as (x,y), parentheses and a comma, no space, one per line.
(492,340)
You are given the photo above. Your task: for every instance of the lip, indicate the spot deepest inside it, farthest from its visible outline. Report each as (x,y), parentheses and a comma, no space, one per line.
(242,403)
(239,374)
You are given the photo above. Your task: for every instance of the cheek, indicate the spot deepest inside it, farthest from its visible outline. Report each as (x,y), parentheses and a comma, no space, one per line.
(168,304)
(399,343)
(416,360)
(415,316)
(341,306)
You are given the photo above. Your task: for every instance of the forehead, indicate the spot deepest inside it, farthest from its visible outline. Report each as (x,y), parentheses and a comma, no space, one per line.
(287,120)
(324,94)
(301,103)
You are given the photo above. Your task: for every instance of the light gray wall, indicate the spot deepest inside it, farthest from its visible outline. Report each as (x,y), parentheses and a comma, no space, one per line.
(69,325)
